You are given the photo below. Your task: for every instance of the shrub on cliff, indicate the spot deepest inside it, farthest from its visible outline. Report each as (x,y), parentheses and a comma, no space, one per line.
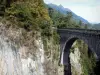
(30,15)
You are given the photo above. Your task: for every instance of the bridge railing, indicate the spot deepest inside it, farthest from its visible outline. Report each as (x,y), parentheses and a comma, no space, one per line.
(80,30)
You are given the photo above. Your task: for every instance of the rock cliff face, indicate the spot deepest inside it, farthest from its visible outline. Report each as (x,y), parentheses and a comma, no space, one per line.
(76,67)
(28,44)
(83,61)
(17,58)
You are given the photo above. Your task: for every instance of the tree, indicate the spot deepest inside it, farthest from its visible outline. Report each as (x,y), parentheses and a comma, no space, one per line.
(85,26)
(80,22)
(50,12)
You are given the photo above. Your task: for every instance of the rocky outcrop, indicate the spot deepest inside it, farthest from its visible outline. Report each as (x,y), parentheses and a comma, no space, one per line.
(27,44)
(23,53)
(18,59)
(76,67)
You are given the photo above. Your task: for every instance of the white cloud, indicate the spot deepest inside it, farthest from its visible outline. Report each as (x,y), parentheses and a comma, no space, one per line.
(92,14)
(70,1)
(48,1)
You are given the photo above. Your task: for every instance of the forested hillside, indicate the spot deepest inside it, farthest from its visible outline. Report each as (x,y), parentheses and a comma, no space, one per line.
(64,11)
(96,26)
(62,21)
(65,18)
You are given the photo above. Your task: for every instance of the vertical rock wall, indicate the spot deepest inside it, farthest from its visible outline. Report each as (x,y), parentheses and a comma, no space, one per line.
(18,60)
(22,53)
(76,67)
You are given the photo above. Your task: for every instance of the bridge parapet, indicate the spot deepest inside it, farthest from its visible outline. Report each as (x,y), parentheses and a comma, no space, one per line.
(96,32)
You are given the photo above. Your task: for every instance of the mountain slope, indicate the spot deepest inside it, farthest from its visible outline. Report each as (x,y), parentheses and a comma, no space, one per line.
(64,11)
(96,26)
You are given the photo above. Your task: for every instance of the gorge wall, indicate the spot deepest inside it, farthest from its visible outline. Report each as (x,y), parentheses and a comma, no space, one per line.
(28,44)
(17,58)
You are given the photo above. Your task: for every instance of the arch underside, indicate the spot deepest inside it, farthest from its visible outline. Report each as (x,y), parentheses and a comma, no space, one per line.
(67,46)
(65,59)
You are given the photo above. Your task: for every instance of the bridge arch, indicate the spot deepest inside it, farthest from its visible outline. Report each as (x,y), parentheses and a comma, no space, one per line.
(67,46)
(67,38)
(66,52)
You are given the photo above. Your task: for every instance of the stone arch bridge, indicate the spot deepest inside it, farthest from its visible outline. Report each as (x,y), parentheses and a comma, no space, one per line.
(67,38)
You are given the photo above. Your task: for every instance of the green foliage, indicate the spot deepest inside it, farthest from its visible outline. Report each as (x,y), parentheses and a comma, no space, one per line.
(46,28)
(55,38)
(24,15)
(88,63)
(72,49)
(2,2)
(62,21)
(30,15)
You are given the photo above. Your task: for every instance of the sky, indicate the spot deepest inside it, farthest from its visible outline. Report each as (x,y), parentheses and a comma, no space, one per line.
(88,9)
